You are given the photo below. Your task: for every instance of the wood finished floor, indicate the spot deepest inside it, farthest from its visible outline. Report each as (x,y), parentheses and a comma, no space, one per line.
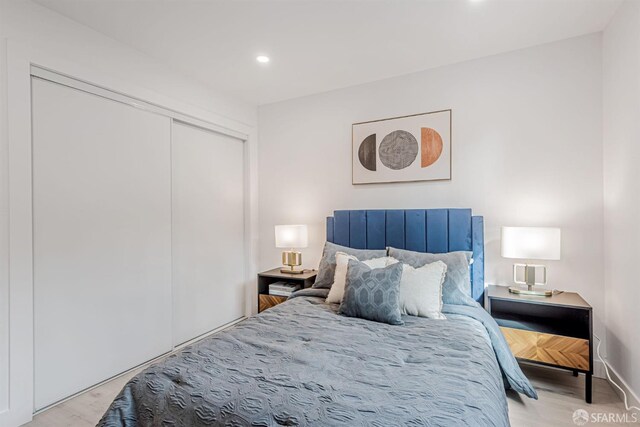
(560,394)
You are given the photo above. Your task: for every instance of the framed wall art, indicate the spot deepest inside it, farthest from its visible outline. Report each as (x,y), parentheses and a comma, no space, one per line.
(402,149)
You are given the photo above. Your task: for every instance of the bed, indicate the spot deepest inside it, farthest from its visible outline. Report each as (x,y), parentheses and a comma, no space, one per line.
(301,363)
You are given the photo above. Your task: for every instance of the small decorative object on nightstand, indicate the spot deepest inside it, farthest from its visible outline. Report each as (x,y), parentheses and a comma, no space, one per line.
(555,331)
(304,279)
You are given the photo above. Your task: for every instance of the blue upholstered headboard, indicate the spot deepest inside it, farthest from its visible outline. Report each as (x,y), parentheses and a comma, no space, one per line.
(420,230)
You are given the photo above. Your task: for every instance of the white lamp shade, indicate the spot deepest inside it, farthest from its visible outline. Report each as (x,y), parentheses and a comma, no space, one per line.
(531,243)
(291,236)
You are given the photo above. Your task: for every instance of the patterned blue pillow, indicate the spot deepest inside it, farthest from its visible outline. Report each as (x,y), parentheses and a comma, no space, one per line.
(327,268)
(373,294)
(456,288)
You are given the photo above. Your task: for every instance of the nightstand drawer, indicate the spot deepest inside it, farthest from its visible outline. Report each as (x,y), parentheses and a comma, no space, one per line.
(547,348)
(268,301)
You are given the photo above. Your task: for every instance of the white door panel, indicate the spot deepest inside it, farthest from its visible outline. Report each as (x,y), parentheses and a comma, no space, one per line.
(208,230)
(102,238)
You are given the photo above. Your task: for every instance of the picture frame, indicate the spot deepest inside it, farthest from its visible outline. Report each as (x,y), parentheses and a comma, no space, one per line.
(410,148)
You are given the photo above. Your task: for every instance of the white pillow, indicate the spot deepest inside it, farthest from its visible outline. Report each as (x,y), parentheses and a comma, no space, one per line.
(340,278)
(421,289)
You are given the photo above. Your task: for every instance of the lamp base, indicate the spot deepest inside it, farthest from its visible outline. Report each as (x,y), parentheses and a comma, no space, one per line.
(290,271)
(291,259)
(530,291)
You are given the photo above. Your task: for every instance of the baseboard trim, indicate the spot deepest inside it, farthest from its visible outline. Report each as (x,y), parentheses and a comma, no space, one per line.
(632,397)
(206,334)
(598,370)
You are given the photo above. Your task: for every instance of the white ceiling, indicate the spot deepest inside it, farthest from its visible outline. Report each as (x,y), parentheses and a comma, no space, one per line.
(316,46)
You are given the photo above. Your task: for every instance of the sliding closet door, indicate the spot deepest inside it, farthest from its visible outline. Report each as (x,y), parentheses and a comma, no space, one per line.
(102,238)
(208,230)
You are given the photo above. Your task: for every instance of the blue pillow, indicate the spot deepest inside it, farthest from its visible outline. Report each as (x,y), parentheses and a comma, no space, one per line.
(456,288)
(327,267)
(372,294)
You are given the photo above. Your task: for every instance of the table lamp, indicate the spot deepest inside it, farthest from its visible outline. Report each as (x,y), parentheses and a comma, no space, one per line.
(530,243)
(291,237)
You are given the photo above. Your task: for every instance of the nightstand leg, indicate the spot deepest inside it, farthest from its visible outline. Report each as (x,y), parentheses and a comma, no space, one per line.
(575,373)
(587,387)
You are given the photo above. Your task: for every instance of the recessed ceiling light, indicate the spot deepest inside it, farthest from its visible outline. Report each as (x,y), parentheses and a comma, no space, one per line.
(262,59)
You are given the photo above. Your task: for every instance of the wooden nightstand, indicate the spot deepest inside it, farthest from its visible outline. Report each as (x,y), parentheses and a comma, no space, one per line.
(265,278)
(554,331)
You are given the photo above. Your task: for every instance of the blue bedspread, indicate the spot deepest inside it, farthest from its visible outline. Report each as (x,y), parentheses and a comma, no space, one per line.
(507,361)
(300,363)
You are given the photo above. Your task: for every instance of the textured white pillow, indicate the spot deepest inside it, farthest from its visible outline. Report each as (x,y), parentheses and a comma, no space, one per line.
(340,278)
(421,289)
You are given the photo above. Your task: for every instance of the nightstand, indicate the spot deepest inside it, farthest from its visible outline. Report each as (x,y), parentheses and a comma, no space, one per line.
(553,331)
(305,280)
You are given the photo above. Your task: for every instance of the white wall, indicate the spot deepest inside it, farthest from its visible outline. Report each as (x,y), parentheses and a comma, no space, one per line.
(29,31)
(527,150)
(621,60)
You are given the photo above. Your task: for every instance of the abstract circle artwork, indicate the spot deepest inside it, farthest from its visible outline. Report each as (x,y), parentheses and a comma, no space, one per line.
(398,149)
(411,148)
(367,152)
(431,146)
